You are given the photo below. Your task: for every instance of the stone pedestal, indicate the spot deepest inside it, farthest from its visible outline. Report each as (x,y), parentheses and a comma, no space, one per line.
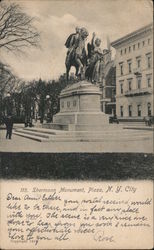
(80,109)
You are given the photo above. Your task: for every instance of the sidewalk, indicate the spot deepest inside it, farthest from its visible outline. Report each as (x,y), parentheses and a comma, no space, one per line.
(20,144)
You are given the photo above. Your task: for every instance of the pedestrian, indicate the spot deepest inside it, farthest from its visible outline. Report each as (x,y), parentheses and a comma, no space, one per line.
(9,126)
(150,120)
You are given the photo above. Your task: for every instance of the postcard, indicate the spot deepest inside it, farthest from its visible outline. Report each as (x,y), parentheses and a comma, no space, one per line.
(76,124)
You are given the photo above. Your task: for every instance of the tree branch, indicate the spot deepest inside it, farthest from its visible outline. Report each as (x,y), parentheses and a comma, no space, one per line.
(16,28)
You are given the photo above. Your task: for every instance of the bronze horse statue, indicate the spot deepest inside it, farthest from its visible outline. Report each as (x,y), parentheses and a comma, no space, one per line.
(73,63)
(76,55)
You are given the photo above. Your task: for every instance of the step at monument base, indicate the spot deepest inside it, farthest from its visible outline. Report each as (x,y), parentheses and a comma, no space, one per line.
(78,127)
(109,135)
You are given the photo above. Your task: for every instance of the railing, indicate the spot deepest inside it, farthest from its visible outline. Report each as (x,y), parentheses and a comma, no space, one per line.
(141,91)
(137,71)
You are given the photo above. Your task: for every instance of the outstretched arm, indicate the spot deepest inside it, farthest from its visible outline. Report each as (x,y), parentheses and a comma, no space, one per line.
(91,46)
(93,40)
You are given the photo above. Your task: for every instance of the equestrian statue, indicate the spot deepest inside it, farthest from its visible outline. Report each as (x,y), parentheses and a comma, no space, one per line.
(90,64)
(76,54)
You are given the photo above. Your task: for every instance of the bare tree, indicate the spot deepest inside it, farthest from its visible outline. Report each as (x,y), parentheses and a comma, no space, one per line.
(9,82)
(17,29)
(7,79)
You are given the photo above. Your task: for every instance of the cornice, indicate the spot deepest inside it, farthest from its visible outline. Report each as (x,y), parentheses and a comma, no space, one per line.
(133,35)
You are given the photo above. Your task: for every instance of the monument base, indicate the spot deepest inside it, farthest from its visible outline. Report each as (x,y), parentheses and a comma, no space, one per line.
(80,109)
(78,127)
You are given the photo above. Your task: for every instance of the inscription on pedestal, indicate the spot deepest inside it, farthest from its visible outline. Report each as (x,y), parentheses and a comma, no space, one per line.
(69,104)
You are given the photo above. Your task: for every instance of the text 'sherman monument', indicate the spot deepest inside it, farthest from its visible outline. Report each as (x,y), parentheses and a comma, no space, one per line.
(80,108)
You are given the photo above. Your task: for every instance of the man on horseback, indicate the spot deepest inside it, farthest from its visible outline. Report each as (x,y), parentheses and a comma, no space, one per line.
(80,51)
(71,43)
(76,55)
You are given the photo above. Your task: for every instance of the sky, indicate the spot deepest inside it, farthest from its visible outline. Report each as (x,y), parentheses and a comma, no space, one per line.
(56,19)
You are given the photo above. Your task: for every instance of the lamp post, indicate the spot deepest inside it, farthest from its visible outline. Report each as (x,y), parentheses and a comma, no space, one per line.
(47,97)
(8,104)
(28,108)
(44,104)
(48,108)
(36,107)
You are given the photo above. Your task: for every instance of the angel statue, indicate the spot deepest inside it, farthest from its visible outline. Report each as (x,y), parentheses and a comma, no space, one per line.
(95,68)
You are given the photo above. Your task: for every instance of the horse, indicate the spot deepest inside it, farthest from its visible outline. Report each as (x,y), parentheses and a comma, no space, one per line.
(72,62)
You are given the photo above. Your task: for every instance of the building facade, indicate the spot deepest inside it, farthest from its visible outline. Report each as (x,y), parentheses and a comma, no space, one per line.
(108,86)
(134,74)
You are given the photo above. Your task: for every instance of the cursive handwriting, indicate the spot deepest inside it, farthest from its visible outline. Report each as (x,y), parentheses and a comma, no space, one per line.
(52,214)
(101,236)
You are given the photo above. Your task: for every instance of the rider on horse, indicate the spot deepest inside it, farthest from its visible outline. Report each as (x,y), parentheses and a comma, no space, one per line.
(80,51)
(71,42)
(76,48)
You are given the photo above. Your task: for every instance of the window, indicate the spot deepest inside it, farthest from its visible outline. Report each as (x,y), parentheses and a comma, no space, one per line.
(148,41)
(138,45)
(148,60)
(125,50)
(121,88)
(134,47)
(149,108)
(138,62)
(129,49)
(129,84)
(68,104)
(121,69)
(143,43)
(130,110)
(149,80)
(121,52)
(129,66)
(121,111)
(139,82)
(74,103)
(139,110)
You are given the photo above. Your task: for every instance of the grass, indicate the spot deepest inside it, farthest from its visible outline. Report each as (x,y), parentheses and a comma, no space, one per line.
(79,166)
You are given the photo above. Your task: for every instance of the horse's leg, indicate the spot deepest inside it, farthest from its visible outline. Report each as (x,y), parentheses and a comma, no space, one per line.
(83,72)
(67,71)
(79,65)
(78,74)
(77,70)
